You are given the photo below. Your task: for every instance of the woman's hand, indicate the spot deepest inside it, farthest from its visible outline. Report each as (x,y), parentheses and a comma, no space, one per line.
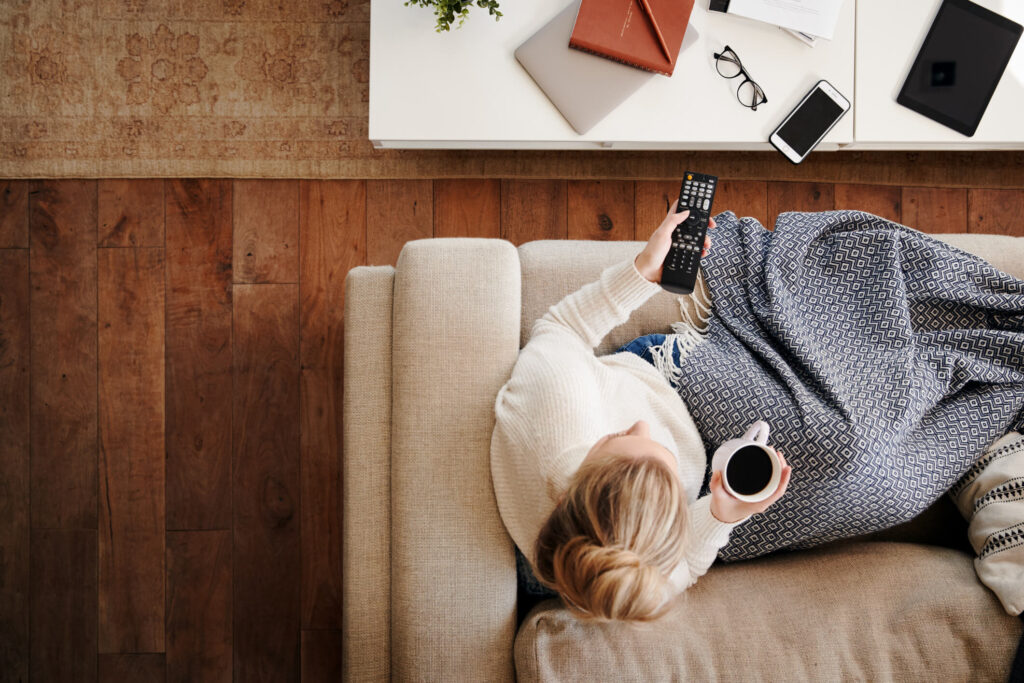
(648,262)
(728,509)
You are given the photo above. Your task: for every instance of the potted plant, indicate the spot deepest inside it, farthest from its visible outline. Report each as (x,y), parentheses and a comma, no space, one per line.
(447,10)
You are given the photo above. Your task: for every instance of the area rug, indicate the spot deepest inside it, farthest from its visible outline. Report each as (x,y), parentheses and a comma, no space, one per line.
(279,88)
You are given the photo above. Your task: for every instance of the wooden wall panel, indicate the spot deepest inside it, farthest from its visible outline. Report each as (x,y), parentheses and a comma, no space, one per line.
(333,239)
(265,466)
(743,198)
(653,200)
(798,197)
(321,656)
(62,219)
(199,585)
(266,237)
(467,207)
(881,200)
(601,209)
(935,209)
(63,605)
(14,464)
(132,668)
(396,211)
(131,213)
(131,453)
(198,285)
(533,210)
(999,212)
(13,213)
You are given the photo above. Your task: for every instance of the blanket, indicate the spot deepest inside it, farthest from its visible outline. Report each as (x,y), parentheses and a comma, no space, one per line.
(885,361)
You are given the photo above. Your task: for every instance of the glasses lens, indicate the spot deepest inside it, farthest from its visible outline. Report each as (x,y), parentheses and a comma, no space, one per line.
(728,64)
(750,94)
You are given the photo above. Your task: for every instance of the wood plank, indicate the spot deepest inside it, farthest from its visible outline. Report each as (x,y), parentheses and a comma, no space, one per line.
(266,240)
(199,606)
(467,207)
(267,549)
(396,211)
(333,240)
(743,198)
(131,213)
(63,633)
(132,668)
(998,212)
(978,168)
(601,209)
(198,340)
(533,210)
(131,454)
(797,197)
(935,209)
(62,220)
(321,656)
(14,464)
(881,200)
(13,214)
(653,200)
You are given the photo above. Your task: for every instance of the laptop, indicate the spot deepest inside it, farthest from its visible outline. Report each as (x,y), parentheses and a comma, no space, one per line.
(585,88)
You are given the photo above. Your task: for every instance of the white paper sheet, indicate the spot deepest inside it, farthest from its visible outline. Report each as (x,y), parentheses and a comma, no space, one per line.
(816,17)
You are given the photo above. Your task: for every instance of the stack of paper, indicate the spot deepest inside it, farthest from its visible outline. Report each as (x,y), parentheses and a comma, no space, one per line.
(812,17)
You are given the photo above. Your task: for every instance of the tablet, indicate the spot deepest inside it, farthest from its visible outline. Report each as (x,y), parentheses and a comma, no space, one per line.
(960,63)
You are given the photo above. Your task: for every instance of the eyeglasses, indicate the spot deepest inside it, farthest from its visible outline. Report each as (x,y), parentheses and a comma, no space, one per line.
(729,65)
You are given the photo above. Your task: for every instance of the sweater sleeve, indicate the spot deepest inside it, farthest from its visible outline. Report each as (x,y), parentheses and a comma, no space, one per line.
(707,535)
(592,311)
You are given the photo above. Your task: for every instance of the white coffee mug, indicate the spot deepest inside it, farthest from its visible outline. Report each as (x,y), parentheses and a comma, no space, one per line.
(755,437)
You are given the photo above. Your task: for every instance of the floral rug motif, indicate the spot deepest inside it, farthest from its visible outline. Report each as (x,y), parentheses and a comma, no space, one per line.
(176,87)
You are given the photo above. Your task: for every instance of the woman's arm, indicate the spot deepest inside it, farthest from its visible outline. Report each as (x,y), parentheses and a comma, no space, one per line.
(712,518)
(591,312)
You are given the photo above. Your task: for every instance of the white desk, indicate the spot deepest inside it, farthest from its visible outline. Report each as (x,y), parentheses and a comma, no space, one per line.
(889,36)
(465,89)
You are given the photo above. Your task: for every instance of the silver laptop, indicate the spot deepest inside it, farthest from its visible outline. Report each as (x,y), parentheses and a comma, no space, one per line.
(584,87)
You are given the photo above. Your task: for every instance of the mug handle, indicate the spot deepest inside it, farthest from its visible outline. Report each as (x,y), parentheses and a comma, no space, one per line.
(757,432)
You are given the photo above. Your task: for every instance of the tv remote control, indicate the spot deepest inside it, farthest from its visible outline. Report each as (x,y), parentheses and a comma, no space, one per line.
(679,272)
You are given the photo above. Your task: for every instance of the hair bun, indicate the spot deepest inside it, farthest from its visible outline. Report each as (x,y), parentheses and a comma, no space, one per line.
(608,583)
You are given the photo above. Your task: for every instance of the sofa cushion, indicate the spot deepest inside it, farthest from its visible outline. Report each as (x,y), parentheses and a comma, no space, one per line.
(850,611)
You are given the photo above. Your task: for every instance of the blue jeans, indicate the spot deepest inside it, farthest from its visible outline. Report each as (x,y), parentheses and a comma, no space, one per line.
(641,346)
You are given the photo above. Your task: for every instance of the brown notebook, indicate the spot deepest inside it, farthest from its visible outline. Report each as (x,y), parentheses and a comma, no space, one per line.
(621,30)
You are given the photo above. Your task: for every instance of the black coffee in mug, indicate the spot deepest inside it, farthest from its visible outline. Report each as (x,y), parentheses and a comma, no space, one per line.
(749,470)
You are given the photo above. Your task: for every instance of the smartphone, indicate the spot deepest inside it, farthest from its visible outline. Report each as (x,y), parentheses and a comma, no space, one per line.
(809,122)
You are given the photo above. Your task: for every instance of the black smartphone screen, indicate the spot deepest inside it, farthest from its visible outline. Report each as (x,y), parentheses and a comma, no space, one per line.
(810,121)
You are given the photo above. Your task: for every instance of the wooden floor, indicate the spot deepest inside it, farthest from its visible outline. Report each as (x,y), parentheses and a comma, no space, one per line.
(170,396)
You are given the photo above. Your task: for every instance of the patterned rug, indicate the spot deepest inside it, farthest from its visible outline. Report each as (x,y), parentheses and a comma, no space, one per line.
(279,88)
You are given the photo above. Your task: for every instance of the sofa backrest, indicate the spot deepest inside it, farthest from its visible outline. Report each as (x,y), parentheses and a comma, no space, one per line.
(554,268)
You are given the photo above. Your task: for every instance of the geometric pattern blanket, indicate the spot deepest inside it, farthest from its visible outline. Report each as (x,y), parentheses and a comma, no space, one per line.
(884,360)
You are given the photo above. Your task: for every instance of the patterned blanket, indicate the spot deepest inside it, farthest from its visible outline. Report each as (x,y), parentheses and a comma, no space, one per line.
(884,360)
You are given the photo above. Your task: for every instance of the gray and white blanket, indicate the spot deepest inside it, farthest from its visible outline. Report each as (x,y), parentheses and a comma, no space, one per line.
(885,361)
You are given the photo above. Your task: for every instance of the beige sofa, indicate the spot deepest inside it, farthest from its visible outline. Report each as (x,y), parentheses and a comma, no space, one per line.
(429,571)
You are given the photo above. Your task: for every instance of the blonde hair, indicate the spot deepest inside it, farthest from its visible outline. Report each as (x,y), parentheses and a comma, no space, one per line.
(613,539)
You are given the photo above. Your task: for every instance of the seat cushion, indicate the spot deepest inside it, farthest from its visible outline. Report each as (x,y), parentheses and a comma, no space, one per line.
(851,611)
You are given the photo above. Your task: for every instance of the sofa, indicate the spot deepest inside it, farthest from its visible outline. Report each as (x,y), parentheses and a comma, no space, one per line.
(429,572)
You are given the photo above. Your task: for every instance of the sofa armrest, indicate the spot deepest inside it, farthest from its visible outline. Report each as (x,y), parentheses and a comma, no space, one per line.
(453,579)
(366,467)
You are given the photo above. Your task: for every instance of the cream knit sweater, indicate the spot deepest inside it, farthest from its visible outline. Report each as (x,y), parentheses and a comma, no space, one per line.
(561,398)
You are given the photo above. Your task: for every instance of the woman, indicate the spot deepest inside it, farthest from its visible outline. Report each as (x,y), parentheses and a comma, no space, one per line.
(884,359)
(597,464)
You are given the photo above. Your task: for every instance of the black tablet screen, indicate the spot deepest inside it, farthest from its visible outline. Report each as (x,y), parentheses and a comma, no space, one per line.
(959,65)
